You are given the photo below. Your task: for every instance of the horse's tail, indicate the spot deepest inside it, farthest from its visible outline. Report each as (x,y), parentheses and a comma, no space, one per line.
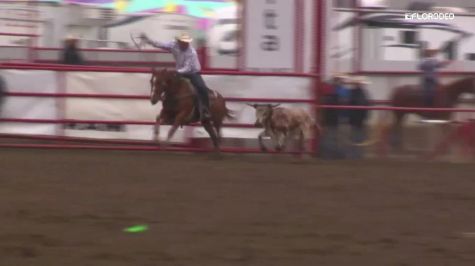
(228,113)
(377,134)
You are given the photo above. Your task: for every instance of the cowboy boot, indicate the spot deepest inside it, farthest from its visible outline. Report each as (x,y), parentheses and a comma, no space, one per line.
(204,112)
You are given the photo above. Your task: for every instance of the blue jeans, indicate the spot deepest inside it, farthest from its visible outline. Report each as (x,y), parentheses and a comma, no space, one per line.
(429,86)
(200,86)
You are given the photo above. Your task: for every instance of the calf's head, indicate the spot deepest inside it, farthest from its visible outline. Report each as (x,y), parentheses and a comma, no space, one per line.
(263,113)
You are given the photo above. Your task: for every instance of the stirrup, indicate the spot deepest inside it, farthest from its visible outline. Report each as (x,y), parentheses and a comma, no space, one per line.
(204,114)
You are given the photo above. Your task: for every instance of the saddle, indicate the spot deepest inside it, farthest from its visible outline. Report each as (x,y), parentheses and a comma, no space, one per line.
(419,93)
(195,114)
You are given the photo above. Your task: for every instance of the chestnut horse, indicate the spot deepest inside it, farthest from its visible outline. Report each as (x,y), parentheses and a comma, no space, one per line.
(412,96)
(180,105)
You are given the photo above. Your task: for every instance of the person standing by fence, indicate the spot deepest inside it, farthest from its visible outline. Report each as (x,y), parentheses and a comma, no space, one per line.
(71,54)
(357,117)
(330,147)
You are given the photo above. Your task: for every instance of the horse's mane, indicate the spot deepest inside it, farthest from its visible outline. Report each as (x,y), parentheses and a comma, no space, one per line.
(172,78)
(174,91)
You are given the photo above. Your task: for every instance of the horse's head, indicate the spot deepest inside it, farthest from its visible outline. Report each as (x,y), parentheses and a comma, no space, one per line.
(156,86)
(466,85)
(162,84)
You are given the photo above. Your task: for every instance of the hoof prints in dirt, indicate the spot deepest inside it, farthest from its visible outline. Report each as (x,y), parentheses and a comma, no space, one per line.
(110,257)
(17,251)
(25,245)
(35,239)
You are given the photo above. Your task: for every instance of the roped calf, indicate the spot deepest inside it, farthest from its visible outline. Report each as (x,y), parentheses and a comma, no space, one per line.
(281,124)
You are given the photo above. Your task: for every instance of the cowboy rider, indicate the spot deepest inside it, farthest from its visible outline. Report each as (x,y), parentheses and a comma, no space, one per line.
(430,80)
(71,54)
(187,65)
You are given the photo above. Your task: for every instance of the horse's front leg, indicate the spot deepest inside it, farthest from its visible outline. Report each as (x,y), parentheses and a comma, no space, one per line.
(156,129)
(180,118)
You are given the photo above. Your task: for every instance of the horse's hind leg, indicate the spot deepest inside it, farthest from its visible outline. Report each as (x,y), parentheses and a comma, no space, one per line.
(214,138)
(217,127)
(397,138)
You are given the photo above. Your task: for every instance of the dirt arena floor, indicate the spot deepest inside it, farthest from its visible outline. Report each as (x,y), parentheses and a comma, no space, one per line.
(69,208)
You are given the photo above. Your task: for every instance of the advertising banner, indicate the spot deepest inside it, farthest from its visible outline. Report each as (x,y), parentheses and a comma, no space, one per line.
(30,107)
(104,109)
(269,35)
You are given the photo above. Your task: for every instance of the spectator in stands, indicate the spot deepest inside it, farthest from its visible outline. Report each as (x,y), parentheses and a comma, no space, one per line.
(329,148)
(357,117)
(71,54)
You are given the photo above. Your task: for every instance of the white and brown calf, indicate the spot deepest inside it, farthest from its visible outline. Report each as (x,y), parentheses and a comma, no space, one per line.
(281,124)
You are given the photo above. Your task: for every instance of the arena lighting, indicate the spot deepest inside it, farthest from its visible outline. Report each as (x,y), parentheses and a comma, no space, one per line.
(373,3)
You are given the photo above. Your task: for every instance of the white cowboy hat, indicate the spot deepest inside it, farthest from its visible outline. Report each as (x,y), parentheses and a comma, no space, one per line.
(184,37)
(362,80)
(342,76)
(70,37)
(339,75)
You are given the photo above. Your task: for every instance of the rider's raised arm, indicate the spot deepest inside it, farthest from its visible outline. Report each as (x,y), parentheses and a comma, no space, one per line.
(168,46)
